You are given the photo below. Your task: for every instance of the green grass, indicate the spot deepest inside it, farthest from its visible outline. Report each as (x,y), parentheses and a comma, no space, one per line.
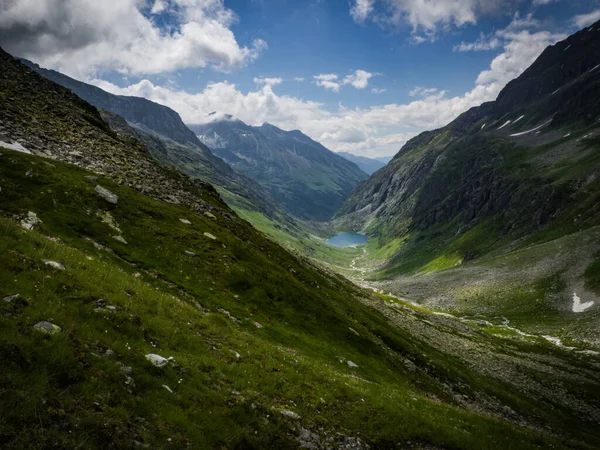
(63,391)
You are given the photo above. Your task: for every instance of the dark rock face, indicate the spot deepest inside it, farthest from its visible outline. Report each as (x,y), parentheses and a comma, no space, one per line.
(142,113)
(474,169)
(307,179)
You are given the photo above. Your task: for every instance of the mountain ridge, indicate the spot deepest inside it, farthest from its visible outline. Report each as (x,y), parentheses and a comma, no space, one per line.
(309,180)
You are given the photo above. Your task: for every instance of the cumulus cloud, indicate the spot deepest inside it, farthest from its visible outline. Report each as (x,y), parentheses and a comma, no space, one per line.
(328,81)
(359,79)
(81,37)
(420,91)
(378,91)
(268,81)
(584,20)
(361,9)
(425,15)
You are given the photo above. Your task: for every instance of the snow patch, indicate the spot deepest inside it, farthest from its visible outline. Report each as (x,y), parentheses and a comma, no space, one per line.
(16,147)
(518,119)
(567,135)
(558,90)
(483,126)
(567,48)
(578,306)
(531,131)
(506,123)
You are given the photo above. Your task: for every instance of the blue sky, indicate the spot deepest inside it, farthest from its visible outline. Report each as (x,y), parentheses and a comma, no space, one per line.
(358,75)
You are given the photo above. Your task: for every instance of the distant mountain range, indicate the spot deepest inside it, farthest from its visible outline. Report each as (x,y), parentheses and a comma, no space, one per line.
(307,179)
(367,165)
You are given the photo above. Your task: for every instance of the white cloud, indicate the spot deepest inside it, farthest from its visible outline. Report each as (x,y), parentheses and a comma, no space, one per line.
(375,131)
(81,37)
(480,44)
(584,20)
(359,79)
(268,81)
(328,81)
(378,91)
(425,15)
(420,91)
(299,79)
(361,9)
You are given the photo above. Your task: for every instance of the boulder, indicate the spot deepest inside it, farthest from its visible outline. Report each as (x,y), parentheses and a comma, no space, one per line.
(47,327)
(158,360)
(107,195)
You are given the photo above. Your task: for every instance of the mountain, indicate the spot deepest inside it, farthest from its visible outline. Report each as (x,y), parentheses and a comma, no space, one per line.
(170,141)
(526,162)
(139,311)
(367,165)
(308,180)
(139,112)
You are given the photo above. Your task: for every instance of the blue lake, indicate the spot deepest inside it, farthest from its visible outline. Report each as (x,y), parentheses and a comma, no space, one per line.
(345,240)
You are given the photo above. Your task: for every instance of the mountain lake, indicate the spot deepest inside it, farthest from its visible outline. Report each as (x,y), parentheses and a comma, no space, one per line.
(345,240)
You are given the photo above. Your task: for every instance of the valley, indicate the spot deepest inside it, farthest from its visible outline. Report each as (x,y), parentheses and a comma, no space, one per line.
(223,285)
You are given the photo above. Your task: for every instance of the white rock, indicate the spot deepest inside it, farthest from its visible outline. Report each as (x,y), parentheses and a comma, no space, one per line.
(237,355)
(288,413)
(351,364)
(16,147)
(158,360)
(54,264)
(31,220)
(120,239)
(167,388)
(187,252)
(210,236)
(187,222)
(107,195)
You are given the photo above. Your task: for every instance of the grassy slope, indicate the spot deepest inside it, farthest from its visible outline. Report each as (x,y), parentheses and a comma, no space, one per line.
(62,391)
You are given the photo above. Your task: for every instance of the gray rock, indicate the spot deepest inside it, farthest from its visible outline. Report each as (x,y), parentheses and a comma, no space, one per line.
(120,239)
(92,178)
(288,413)
(47,327)
(11,298)
(30,221)
(158,360)
(54,264)
(107,195)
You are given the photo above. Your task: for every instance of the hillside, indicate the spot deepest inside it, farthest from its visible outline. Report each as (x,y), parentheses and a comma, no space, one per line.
(171,142)
(139,311)
(367,165)
(308,180)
